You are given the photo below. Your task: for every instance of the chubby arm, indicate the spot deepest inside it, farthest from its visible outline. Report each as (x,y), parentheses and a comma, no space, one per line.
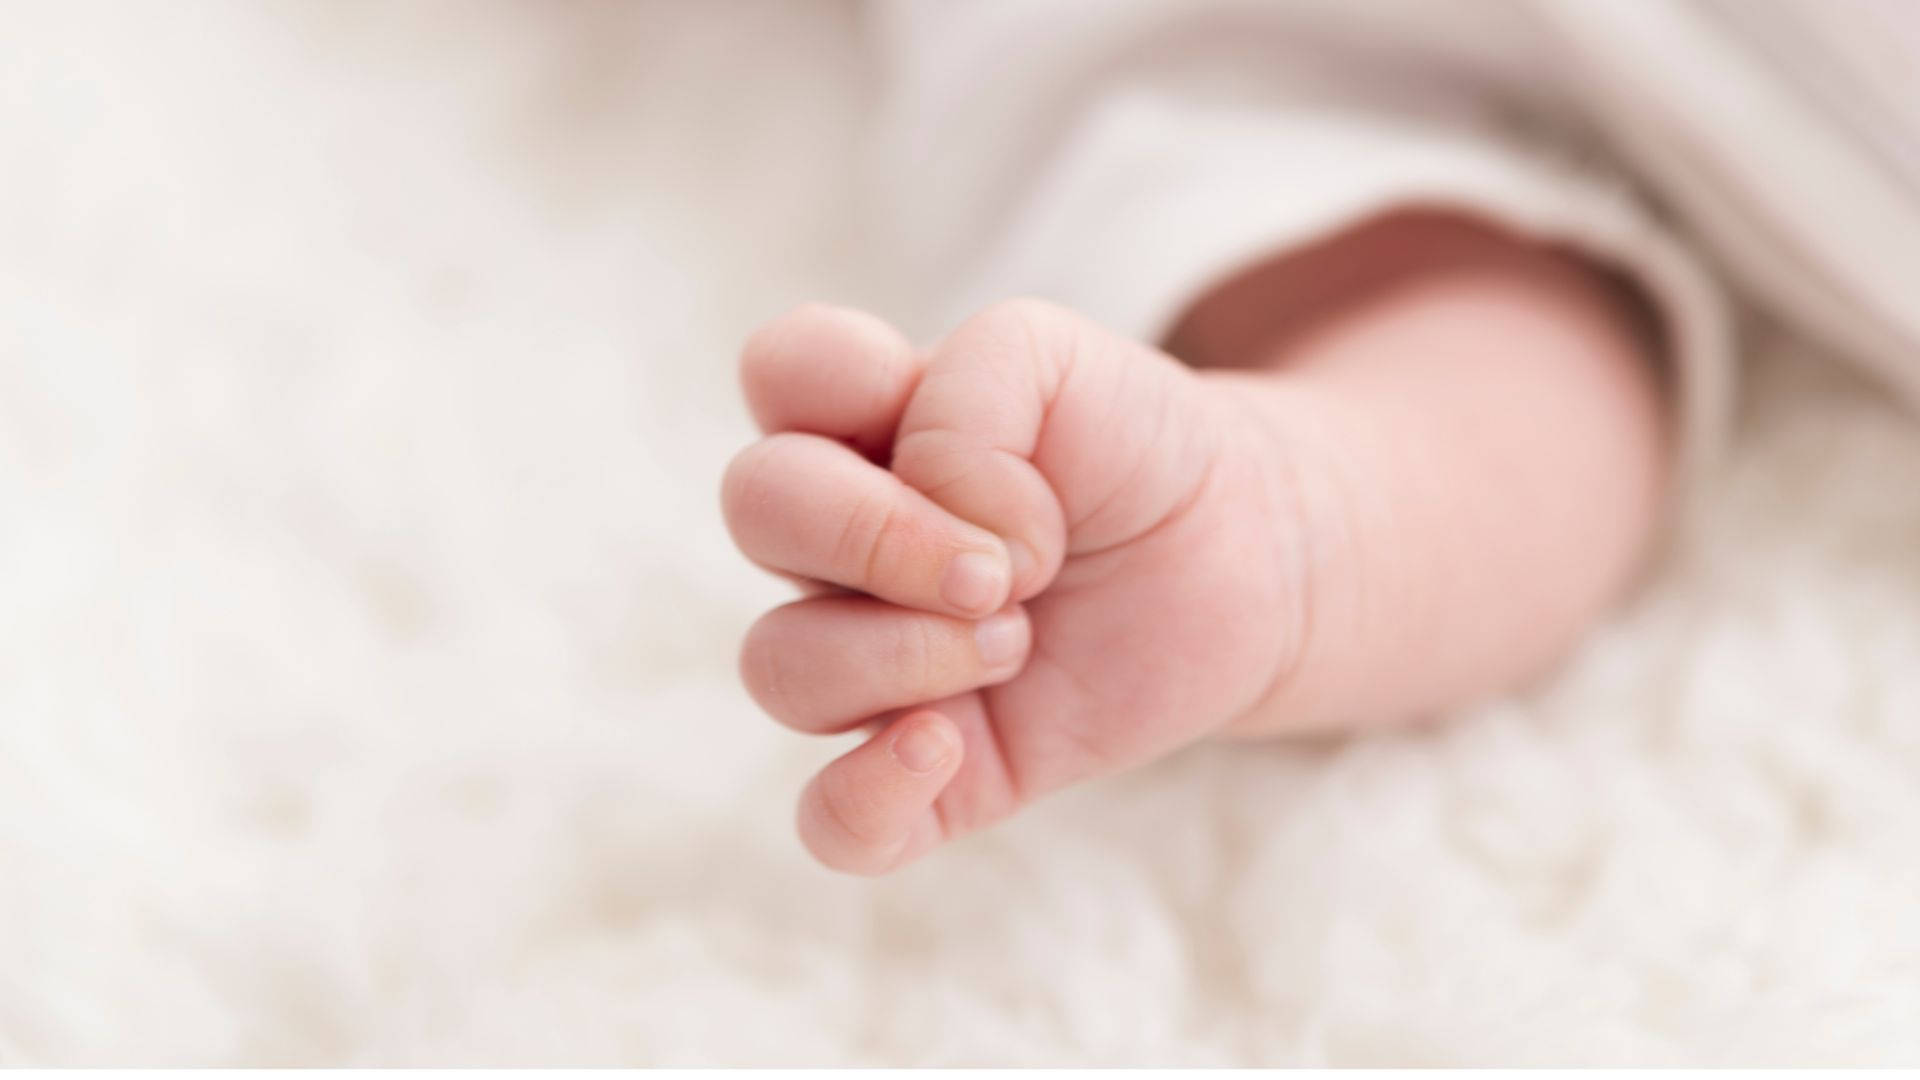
(1472,432)
(1055,553)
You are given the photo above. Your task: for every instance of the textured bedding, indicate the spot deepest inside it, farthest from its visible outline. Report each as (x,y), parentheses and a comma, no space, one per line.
(367,629)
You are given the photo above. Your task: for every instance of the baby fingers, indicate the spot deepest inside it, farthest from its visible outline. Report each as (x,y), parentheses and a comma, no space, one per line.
(810,506)
(828,663)
(830,371)
(872,808)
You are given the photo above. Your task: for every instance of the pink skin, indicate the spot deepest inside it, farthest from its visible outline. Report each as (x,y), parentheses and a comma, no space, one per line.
(1050,553)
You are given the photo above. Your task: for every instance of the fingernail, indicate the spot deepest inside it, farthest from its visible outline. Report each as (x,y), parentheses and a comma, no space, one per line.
(921,748)
(1001,639)
(1023,560)
(974,581)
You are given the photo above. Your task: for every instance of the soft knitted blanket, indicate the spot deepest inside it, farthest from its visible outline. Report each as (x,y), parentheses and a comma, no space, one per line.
(367,631)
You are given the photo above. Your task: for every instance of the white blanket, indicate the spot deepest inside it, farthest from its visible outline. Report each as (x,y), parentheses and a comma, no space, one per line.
(367,627)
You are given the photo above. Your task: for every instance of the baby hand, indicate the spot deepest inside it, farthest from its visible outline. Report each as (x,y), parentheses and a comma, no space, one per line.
(1047,554)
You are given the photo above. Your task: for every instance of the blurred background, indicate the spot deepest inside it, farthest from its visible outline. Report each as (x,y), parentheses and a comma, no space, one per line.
(367,630)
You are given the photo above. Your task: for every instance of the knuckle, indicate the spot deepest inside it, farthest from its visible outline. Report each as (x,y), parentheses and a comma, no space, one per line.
(1038,333)
(931,460)
(760,352)
(811,313)
(1020,317)
(751,482)
(863,549)
(763,669)
(773,341)
(914,657)
(741,484)
(846,812)
(776,352)
(763,364)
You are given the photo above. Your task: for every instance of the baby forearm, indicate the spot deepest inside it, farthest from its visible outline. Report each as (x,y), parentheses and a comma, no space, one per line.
(1438,459)
(1478,460)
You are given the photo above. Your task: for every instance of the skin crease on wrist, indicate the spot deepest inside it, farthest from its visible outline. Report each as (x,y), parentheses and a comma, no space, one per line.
(1473,431)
